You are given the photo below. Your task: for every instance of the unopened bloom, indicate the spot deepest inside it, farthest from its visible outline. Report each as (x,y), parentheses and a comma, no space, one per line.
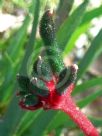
(54,96)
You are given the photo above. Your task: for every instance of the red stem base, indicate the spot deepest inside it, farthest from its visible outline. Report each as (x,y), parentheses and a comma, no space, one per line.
(79,118)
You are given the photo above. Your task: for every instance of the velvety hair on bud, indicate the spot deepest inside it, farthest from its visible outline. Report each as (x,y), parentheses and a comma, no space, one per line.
(31,100)
(28,87)
(47,29)
(23,82)
(67,77)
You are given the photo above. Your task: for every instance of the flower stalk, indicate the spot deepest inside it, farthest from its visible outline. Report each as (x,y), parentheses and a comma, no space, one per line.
(57,92)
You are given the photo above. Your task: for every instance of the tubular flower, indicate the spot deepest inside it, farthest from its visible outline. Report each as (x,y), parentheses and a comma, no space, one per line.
(56,93)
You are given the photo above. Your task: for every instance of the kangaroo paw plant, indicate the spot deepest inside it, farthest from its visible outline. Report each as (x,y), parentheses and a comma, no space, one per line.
(56,91)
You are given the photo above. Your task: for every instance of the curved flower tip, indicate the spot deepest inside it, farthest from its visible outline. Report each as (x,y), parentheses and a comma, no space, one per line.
(50,12)
(75,67)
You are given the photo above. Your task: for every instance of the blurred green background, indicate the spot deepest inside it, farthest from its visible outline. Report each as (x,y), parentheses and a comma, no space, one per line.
(79,34)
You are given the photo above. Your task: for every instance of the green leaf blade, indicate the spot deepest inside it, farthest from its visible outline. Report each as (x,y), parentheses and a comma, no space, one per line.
(69,26)
(94,50)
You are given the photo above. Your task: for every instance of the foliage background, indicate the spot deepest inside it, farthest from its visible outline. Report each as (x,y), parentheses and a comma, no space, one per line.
(78,29)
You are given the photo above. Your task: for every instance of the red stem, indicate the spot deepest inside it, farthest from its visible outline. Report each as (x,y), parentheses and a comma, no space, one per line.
(79,118)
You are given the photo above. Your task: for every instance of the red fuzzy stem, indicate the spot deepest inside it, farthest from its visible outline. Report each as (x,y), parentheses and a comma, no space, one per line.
(79,118)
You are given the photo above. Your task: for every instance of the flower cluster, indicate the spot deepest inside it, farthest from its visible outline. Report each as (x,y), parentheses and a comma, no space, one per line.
(54,97)
(56,93)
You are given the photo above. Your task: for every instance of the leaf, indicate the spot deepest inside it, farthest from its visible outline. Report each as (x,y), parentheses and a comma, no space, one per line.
(18,40)
(25,122)
(96,121)
(59,120)
(83,27)
(71,23)
(38,127)
(8,125)
(58,131)
(10,75)
(89,99)
(94,50)
(13,52)
(71,43)
(31,42)
(91,14)
(87,84)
